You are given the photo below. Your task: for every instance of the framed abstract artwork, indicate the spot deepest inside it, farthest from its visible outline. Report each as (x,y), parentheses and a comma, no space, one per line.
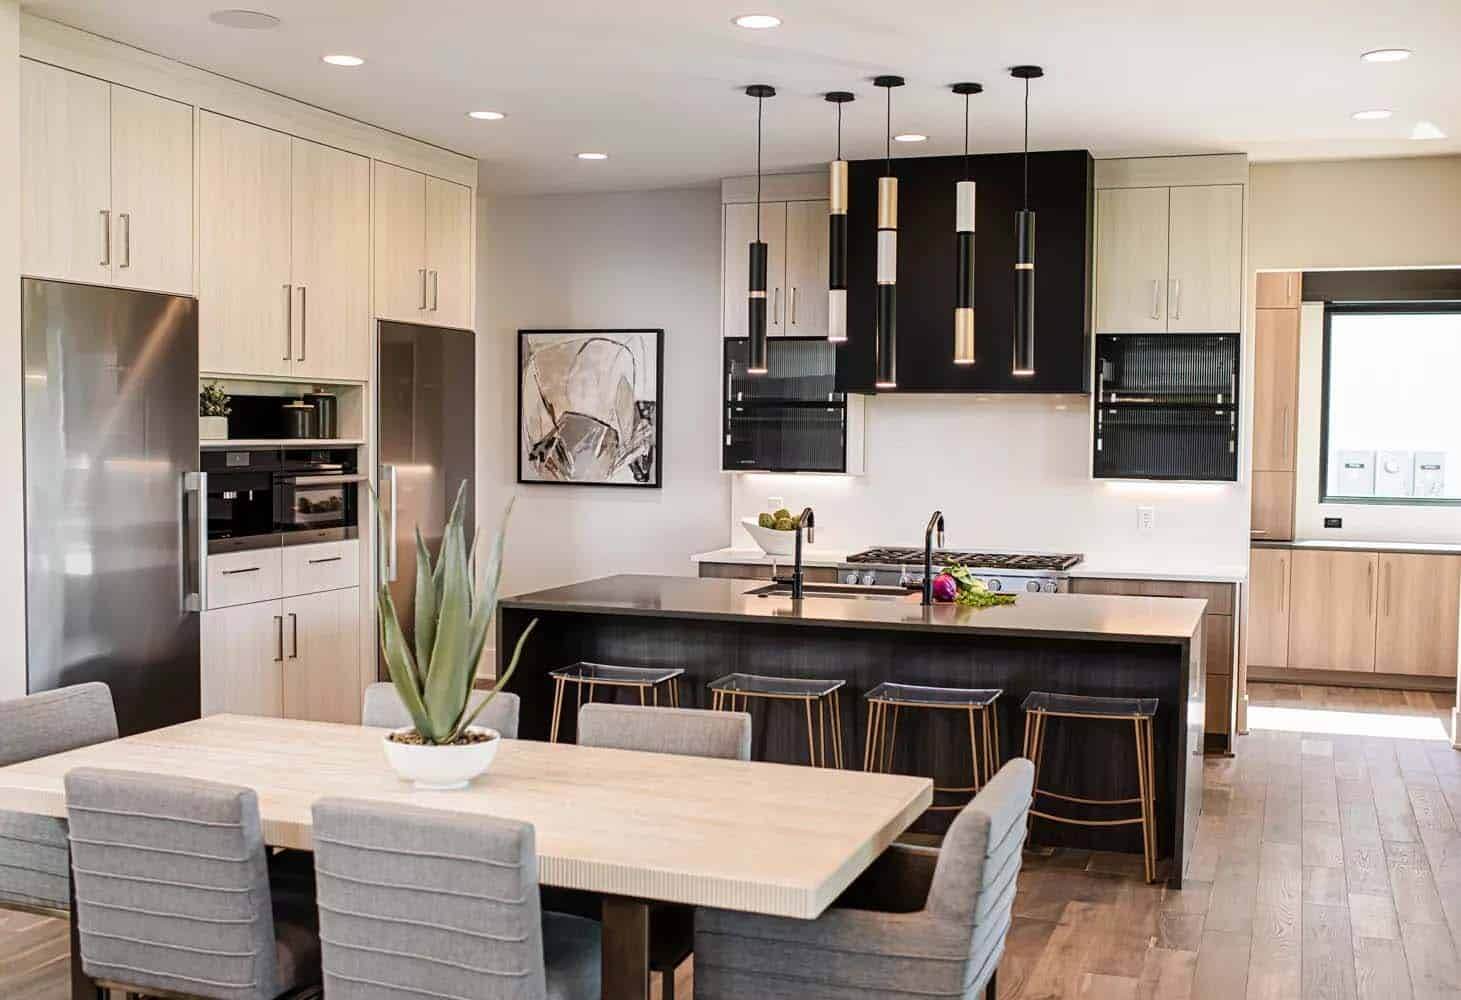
(588,407)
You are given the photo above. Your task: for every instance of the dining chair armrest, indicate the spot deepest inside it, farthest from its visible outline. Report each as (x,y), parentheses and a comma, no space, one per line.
(897,882)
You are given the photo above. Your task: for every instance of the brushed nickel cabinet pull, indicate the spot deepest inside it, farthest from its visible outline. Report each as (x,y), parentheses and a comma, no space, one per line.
(126,218)
(294,635)
(279,629)
(1388,569)
(1283,432)
(1156,299)
(1176,298)
(1288,287)
(288,320)
(422,271)
(776,307)
(303,321)
(793,305)
(106,238)
(1283,594)
(1370,588)
(435,289)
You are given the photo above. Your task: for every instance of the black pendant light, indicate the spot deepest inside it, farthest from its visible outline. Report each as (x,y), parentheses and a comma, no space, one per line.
(1024,353)
(886,376)
(756,303)
(837,233)
(964,245)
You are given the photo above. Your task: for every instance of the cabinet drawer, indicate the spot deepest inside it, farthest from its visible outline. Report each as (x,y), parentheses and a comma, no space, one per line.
(243,577)
(1219,596)
(310,569)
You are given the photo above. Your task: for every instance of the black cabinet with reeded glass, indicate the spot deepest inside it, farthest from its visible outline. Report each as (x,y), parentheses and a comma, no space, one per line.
(791,419)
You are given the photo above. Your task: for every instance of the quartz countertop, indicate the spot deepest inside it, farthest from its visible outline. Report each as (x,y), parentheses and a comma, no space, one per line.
(1091,617)
(1345,545)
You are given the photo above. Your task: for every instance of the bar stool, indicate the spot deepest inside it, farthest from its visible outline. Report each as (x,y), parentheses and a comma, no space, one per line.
(1041,706)
(735,691)
(647,680)
(887,700)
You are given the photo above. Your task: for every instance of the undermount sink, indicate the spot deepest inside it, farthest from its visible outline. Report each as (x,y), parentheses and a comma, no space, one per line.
(844,591)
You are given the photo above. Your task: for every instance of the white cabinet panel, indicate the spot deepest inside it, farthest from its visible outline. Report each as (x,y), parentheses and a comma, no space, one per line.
(806,269)
(1205,259)
(739,232)
(1131,260)
(243,648)
(321,669)
(152,192)
(330,262)
(449,253)
(399,211)
(243,577)
(309,569)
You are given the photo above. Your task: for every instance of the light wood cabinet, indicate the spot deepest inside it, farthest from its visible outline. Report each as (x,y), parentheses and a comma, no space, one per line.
(1332,617)
(244,651)
(1273,506)
(806,268)
(738,234)
(1279,290)
(245,319)
(1268,607)
(330,262)
(1205,259)
(423,248)
(321,666)
(106,181)
(1275,389)
(1169,259)
(1418,598)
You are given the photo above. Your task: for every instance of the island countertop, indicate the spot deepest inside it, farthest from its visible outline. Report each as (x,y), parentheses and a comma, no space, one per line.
(1099,618)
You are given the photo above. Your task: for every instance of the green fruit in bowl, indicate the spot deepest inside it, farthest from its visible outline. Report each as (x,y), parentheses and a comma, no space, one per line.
(784,524)
(782,514)
(766,521)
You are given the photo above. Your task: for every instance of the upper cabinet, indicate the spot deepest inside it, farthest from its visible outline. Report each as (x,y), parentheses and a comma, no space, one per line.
(739,232)
(423,248)
(1169,259)
(107,176)
(283,266)
(1275,403)
(806,269)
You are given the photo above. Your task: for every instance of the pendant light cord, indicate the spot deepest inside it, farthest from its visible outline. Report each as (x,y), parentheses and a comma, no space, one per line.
(1027,145)
(759,102)
(966,137)
(888,132)
(839,130)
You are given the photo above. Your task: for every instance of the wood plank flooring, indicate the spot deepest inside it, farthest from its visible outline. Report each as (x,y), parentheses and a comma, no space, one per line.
(1327,867)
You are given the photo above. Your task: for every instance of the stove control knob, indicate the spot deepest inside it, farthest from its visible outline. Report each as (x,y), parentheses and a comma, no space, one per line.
(993,584)
(1032,586)
(869,578)
(1049,587)
(849,577)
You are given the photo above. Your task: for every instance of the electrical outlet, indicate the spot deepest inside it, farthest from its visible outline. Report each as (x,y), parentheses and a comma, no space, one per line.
(1146,519)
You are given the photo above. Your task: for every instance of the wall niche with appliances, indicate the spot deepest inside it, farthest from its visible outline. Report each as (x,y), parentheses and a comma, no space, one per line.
(793,418)
(263,413)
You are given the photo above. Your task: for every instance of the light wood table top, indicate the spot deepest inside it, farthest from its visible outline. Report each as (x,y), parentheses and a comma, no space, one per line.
(764,838)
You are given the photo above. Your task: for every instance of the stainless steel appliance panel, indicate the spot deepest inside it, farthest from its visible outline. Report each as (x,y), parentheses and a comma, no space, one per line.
(426,429)
(111,432)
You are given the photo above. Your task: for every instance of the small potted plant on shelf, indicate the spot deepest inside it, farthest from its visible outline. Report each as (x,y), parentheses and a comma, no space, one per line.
(433,672)
(213,411)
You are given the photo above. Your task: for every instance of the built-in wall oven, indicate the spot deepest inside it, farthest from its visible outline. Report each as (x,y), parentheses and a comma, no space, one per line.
(263,497)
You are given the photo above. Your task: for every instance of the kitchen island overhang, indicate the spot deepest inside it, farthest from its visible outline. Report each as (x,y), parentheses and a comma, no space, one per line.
(1066,643)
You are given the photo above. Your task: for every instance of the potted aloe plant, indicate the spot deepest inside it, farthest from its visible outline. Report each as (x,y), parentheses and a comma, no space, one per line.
(434,673)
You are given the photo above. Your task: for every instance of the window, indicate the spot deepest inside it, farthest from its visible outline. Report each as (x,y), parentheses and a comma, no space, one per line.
(1392,403)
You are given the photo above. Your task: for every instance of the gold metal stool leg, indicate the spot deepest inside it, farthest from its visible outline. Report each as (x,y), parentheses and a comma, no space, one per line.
(837,727)
(870,737)
(557,709)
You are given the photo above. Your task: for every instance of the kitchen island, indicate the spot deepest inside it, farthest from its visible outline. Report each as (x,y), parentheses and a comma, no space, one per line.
(1067,643)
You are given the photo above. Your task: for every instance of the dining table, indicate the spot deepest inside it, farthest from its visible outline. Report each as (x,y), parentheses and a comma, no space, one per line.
(636,828)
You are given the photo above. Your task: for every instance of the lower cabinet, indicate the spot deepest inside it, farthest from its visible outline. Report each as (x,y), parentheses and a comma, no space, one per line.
(1332,624)
(1268,607)
(1418,599)
(296,658)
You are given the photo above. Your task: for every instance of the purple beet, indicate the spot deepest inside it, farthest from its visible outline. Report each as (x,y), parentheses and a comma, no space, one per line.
(945,588)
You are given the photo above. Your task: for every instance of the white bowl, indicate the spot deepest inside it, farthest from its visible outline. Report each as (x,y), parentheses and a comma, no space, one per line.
(772,542)
(434,768)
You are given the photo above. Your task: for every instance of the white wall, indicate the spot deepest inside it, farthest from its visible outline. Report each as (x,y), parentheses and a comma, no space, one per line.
(648,259)
(12,489)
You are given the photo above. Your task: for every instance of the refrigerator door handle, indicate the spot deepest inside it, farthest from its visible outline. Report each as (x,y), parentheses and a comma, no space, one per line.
(388,544)
(195,557)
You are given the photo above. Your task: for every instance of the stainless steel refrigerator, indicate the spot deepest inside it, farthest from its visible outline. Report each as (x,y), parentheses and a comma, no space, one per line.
(113,510)
(426,429)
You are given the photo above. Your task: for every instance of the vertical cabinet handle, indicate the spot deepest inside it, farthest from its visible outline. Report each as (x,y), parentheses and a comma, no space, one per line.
(793,305)
(1370,589)
(1388,568)
(776,307)
(303,320)
(422,271)
(1176,298)
(294,635)
(126,218)
(435,289)
(279,636)
(1283,441)
(1156,299)
(1283,594)
(1288,288)
(288,321)
(106,238)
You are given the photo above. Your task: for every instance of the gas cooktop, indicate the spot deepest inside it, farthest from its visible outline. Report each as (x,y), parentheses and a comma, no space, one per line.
(1006,561)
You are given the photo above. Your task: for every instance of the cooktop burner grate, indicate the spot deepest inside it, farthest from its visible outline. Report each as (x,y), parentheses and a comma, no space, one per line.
(899,556)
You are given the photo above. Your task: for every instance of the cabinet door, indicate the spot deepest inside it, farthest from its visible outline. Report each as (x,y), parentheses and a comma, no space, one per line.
(739,233)
(449,253)
(1332,610)
(1273,506)
(65,175)
(1419,597)
(243,649)
(330,239)
(806,269)
(1268,607)
(1205,262)
(1280,290)
(152,192)
(400,243)
(1275,389)
(1131,260)
(322,657)
(244,282)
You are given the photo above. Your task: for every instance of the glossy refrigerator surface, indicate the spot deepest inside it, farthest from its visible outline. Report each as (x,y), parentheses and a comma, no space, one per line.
(427,442)
(111,387)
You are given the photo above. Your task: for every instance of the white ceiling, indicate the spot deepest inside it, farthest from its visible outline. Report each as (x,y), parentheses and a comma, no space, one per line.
(657,83)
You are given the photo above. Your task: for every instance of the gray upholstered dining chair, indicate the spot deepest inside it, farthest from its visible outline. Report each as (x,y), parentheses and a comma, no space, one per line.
(690,731)
(425,903)
(383,708)
(174,893)
(34,870)
(919,923)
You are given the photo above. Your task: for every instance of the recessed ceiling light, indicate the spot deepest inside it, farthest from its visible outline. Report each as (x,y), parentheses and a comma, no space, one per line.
(1372,114)
(486,116)
(757,22)
(1387,55)
(1427,130)
(249,20)
(593,156)
(344,60)
(910,137)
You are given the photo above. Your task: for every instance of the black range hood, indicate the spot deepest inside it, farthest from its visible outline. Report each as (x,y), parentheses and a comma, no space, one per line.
(1062,191)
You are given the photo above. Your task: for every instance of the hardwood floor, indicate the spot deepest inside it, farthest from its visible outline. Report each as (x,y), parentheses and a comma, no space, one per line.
(1327,867)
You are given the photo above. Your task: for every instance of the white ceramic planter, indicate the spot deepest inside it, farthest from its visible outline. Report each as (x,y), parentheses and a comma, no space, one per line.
(433,768)
(772,542)
(213,428)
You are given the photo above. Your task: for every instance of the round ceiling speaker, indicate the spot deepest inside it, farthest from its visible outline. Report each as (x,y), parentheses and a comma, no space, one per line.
(249,20)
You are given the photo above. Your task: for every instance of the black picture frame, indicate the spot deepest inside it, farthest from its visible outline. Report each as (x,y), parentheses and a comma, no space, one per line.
(657,334)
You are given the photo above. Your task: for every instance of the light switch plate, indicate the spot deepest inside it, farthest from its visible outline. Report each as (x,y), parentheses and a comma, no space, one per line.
(1146,519)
